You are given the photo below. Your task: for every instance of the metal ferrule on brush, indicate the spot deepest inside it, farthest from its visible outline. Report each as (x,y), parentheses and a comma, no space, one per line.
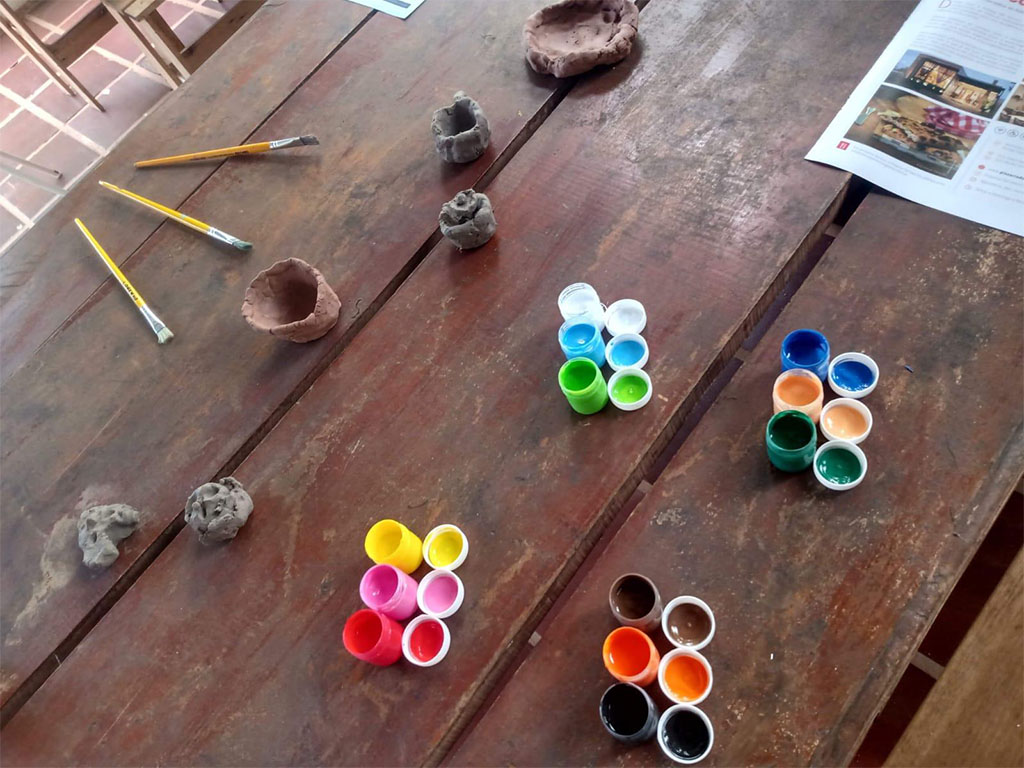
(295,141)
(163,333)
(224,237)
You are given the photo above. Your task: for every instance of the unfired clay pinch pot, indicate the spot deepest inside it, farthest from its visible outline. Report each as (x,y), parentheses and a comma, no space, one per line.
(100,529)
(461,131)
(573,36)
(291,300)
(217,510)
(467,219)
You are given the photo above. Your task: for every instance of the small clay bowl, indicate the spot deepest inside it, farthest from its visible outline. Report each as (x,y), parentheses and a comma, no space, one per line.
(291,300)
(573,36)
(461,132)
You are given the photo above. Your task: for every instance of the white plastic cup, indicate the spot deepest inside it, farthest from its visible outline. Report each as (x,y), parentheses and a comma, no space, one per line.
(845,402)
(446,546)
(632,402)
(676,749)
(426,641)
(440,593)
(830,483)
(581,300)
(625,316)
(624,345)
(852,357)
(691,661)
(674,624)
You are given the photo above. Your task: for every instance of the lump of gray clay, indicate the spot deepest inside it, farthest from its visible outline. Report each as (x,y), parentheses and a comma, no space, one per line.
(217,510)
(467,219)
(291,300)
(573,36)
(101,528)
(461,132)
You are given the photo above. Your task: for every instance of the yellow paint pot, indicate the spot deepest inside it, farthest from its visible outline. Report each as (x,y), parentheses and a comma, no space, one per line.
(798,389)
(389,542)
(446,546)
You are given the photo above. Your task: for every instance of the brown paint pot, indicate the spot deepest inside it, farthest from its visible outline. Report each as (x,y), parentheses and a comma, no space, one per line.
(688,622)
(635,602)
(291,300)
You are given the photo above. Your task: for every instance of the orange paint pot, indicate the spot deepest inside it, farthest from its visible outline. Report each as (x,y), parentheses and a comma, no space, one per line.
(685,676)
(630,656)
(798,390)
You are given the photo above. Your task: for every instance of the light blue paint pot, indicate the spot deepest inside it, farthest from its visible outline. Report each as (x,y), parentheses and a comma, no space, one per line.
(806,349)
(627,350)
(581,338)
(853,374)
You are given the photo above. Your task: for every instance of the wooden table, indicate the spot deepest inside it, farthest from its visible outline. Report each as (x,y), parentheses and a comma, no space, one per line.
(676,178)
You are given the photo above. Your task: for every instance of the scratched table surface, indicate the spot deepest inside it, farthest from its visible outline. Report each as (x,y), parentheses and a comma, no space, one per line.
(675,177)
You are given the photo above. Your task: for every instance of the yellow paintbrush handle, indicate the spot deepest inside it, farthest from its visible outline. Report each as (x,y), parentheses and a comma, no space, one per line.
(184,218)
(244,149)
(125,283)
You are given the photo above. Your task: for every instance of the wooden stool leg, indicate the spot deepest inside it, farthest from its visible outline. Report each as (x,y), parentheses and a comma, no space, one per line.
(165,41)
(163,68)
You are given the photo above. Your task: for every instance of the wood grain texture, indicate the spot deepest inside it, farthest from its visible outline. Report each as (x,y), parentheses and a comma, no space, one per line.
(820,598)
(102,413)
(975,713)
(46,275)
(650,181)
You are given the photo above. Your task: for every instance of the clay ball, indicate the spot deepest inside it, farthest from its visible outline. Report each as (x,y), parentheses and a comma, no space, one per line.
(573,36)
(101,528)
(467,219)
(291,300)
(217,510)
(461,132)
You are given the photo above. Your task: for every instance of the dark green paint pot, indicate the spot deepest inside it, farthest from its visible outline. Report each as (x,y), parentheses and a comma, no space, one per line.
(791,438)
(840,465)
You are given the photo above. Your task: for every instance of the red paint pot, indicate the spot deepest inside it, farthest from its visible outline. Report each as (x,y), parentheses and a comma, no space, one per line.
(371,636)
(426,641)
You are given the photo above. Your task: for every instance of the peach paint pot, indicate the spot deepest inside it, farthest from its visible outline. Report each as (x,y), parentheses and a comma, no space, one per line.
(845,419)
(389,590)
(440,594)
(635,602)
(685,734)
(426,641)
(373,637)
(630,656)
(685,676)
(389,542)
(688,622)
(446,546)
(798,389)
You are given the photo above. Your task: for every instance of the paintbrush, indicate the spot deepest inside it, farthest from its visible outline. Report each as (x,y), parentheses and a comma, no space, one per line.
(185,219)
(163,333)
(244,149)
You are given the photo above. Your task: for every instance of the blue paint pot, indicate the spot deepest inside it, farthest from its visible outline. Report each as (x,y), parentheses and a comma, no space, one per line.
(581,338)
(806,349)
(853,374)
(627,350)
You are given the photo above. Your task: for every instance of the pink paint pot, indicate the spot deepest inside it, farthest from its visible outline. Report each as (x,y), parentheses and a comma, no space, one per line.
(440,594)
(426,641)
(389,590)
(373,637)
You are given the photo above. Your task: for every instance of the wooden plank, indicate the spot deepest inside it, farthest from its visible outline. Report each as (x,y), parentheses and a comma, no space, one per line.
(974,714)
(101,411)
(445,407)
(820,598)
(221,106)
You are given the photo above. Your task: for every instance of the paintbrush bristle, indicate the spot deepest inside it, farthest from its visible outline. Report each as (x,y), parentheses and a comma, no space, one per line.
(164,335)
(242,245)
(309,140)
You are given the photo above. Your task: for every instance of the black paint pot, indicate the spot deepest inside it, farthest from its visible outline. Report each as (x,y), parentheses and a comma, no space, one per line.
(628,713)
(685,734)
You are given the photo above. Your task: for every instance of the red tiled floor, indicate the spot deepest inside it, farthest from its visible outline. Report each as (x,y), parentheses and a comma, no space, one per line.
(23,134)
(96,73)
(129,98)
(26,197)
(7,108)
(9,226)
(57,103)
(193,27)
(172,12)
(9,52)
(120,42)
(23,78)
(56,11)
(64,154)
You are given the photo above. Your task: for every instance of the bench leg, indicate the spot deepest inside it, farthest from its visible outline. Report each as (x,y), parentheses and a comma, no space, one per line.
(166,42)
(168,74)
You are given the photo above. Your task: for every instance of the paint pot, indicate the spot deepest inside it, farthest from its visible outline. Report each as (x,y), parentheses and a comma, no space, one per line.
(630,656)
(840,465)
(627,350)
(426,641)
(440,594)
(581,338)
(790,437)
(373,637)
(853,375)
(446,546)
(583,385)
(635,602)
(688,622)
(628,713)
(625,316)
(629,389)
(685,734)
(389,590)
(581,301)
(389,542)
(806,349)
(845,419)
(685,676)
(798,390)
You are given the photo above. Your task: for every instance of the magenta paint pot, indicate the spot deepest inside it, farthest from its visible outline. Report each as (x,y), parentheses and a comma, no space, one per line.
(373,637)
(440,594)
(426,641)
(389,590)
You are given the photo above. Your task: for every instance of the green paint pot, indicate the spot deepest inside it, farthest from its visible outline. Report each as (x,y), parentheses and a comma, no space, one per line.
(840,465)
(629,389)
(583,385)
(791,437)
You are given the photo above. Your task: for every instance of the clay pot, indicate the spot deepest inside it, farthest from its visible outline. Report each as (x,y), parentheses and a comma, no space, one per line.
(461,132)
(291,300)
(467,219)
(573,36)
